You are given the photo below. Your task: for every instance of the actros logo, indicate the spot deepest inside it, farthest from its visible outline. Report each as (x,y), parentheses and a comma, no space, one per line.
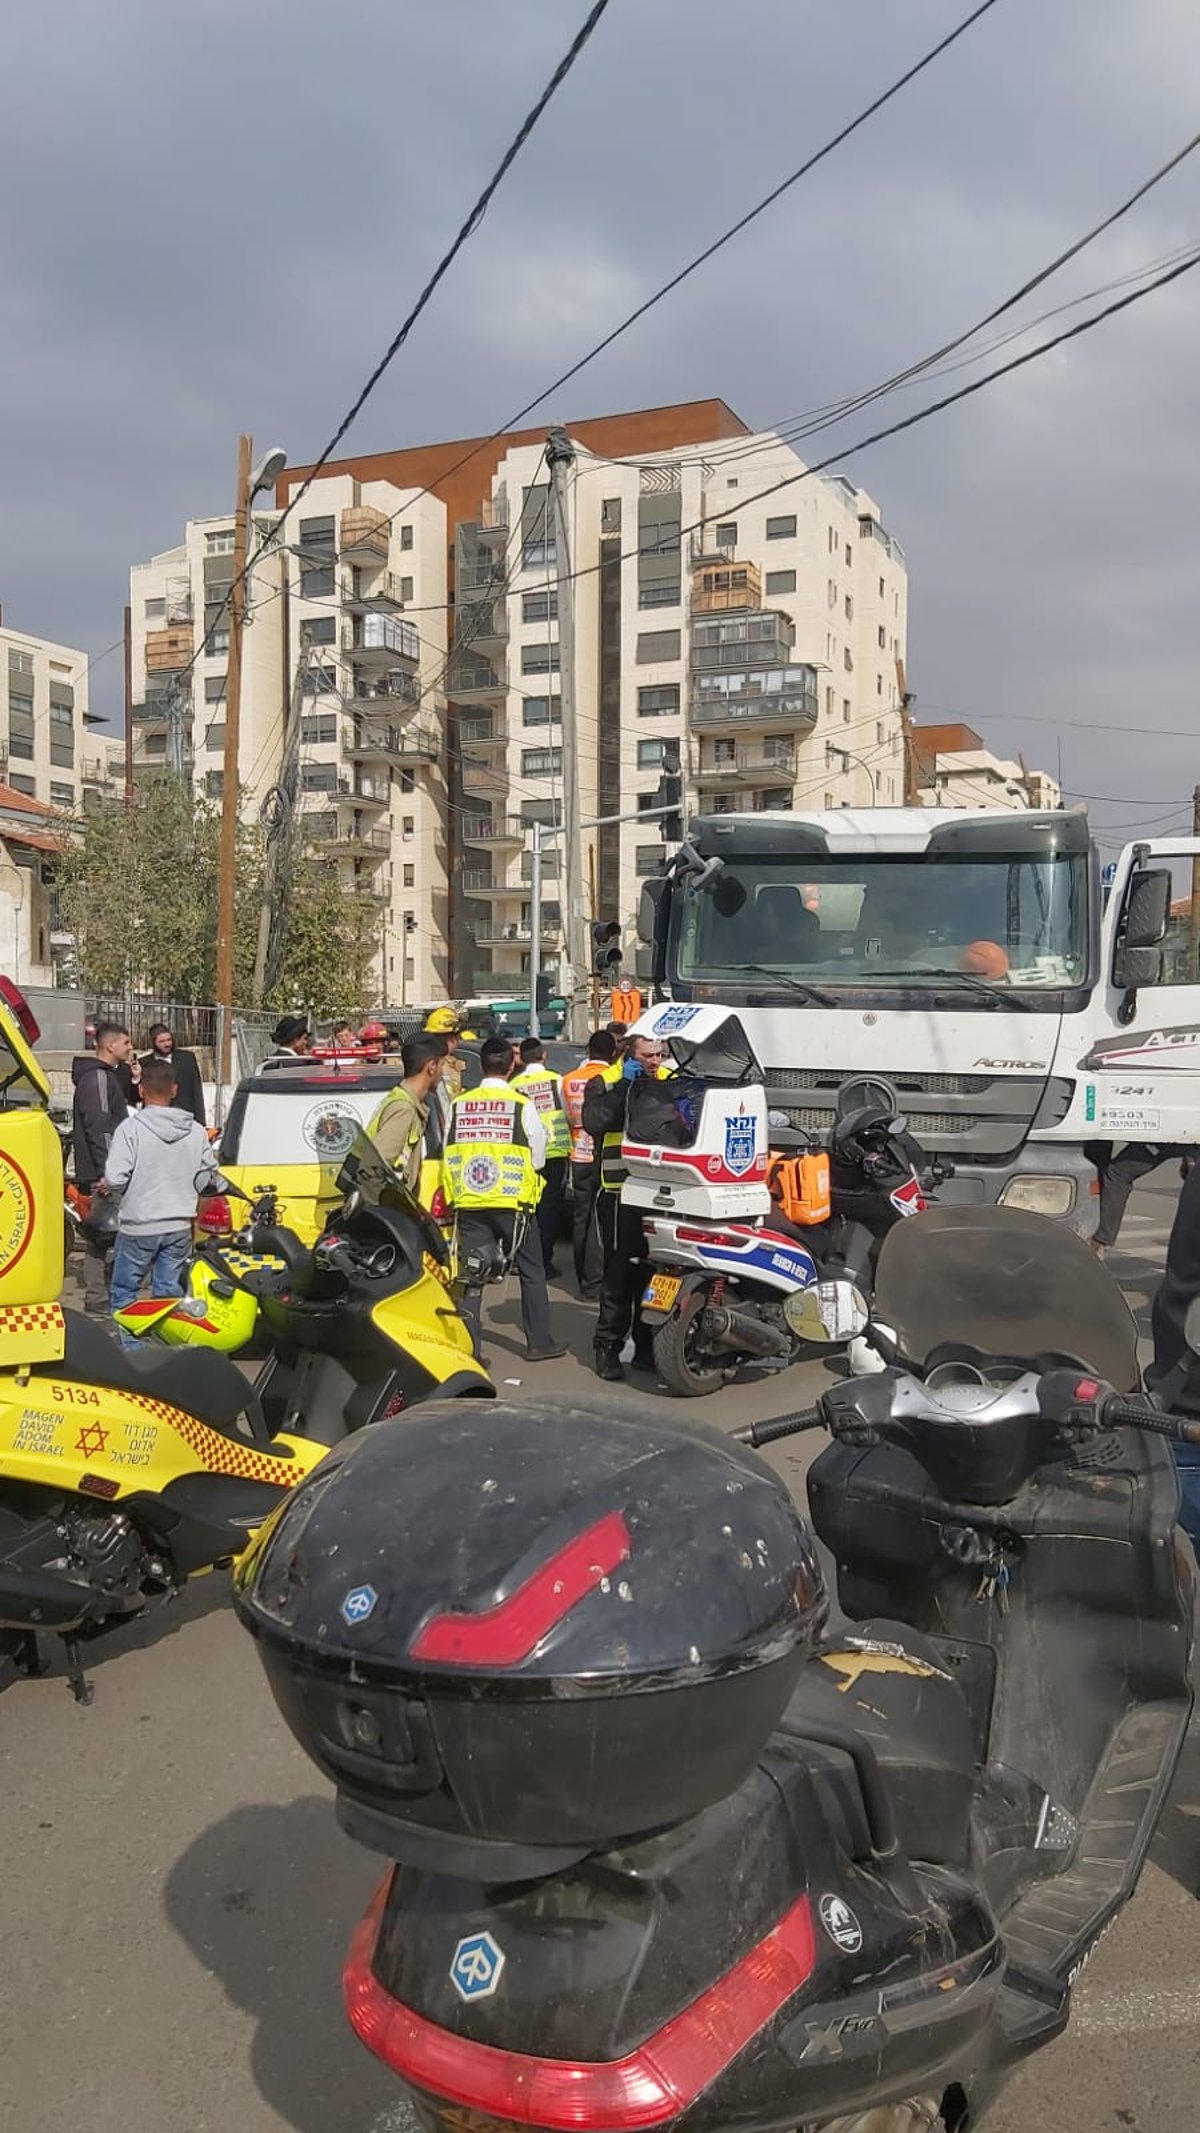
(476,1966)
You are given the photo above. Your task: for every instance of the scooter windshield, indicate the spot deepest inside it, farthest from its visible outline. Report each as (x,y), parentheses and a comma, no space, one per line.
(368,1173)
(1009,1286)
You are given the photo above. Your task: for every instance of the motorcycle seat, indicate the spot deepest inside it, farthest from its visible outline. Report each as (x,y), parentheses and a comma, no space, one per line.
(893,1686)
(198,1380)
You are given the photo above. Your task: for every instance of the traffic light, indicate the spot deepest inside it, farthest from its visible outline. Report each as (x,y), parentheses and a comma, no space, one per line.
(606,946)
(670,794)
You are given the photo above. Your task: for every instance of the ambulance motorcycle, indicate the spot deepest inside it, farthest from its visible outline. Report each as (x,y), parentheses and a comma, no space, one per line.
(121,1474)
(732,1283)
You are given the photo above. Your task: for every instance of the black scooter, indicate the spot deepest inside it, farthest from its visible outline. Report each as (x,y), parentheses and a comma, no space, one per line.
(665,1854)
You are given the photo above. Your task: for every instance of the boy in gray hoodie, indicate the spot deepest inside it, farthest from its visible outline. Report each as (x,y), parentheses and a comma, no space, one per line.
(160,1159)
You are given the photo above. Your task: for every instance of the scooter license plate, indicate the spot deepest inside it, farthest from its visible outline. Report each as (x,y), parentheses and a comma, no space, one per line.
(661,1290)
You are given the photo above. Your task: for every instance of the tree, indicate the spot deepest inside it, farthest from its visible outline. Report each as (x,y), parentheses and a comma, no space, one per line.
(139,892)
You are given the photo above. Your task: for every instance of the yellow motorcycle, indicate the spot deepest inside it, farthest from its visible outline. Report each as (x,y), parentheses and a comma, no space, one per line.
(121,1473)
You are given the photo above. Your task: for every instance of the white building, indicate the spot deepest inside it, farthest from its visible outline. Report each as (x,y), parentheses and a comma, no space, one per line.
(44,749)
(761,634)
(342,694)
(955,769)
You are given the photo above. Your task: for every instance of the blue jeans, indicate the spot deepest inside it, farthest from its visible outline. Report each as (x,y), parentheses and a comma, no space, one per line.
(1187,1461)
(159,1261)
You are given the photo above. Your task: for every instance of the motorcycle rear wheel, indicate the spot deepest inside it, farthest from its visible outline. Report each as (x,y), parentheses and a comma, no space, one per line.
(682,1363)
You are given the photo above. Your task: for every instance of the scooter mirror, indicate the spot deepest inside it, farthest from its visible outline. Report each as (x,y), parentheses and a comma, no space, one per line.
(828,1314)
(1191,1325)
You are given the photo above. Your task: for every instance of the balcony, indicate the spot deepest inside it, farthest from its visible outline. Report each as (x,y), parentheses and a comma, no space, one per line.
(743,640)
(328,833)
(385,691)
(489,779)
(494,830)
(378,640)
(721,584)
(749,766)
(365,535)
(371,792)
(474,679)
(479,881)
(168,650)
(393,744)
(775,696)
(480,733)
(154,712)
(481,623)
(516,933)
(382,597)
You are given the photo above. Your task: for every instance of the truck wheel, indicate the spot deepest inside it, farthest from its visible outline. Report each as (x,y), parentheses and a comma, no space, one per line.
(680,1358)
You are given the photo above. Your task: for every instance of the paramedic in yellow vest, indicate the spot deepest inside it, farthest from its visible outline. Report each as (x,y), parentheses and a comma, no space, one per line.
(446,1022)
(399,1126)
(622,1236)
(491,1175)
(544,1090)
(585,1164)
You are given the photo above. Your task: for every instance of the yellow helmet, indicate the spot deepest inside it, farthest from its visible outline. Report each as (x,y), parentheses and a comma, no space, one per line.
(443,1022)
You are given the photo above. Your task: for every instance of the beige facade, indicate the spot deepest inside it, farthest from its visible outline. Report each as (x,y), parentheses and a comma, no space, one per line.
(956,769)
(759,633)
(342,695)
(45,749)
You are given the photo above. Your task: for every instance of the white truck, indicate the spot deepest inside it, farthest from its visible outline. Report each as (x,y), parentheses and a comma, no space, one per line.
(968,968)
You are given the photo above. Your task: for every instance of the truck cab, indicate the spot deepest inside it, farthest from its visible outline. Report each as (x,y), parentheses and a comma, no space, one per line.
(961,967)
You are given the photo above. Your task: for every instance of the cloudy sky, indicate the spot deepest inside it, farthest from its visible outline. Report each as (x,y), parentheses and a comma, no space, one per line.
(216,213)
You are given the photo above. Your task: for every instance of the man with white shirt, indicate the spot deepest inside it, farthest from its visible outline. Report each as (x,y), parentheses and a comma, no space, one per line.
(494,1155)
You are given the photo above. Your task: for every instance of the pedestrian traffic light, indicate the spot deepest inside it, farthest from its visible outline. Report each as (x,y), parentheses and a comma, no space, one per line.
(670,794)
(606,946)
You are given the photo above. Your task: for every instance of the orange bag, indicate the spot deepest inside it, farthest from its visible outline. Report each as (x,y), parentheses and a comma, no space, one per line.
(799,1186)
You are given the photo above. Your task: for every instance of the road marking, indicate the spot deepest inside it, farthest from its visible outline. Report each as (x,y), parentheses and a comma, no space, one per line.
(1109,2014)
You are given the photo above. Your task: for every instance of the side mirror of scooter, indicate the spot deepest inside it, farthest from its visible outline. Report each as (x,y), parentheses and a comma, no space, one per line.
(829,1314)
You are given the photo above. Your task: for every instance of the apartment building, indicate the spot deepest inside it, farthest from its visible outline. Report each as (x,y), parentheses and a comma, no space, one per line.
(341,699)
(45,753)
(758,633)
(954,768)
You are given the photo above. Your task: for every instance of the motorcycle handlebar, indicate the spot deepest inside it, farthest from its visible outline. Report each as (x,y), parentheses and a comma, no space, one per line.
(769,1432)
(1124,1413)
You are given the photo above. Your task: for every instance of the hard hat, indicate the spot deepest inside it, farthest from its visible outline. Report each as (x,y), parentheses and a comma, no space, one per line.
(443,1022)
(373,1032)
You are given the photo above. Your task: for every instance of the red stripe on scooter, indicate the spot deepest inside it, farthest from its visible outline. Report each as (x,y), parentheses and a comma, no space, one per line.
(505,1634)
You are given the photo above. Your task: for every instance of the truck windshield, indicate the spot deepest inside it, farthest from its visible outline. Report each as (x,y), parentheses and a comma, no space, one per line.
(905,920)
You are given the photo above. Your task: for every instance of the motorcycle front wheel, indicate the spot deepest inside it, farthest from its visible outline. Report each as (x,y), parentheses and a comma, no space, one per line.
(680,1357)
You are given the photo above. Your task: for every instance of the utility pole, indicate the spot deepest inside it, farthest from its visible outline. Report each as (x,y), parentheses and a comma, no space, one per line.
(128,709)
(535,928)
(227,865)
(1194,915)
(560,460)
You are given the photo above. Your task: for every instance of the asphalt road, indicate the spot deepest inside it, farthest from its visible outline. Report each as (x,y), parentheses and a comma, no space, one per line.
(177,1898)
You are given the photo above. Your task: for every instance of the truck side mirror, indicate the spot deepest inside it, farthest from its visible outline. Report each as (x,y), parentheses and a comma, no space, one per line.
(654,909)
(1146,908)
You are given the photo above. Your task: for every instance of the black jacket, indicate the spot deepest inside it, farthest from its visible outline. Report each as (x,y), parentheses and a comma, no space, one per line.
(98,1110)
(1180,1286)
(604,1106)
(187,1074)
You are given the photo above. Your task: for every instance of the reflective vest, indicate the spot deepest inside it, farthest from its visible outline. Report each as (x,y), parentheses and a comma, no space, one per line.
(391,1111)
(487,1161)
(545,1091)
(583,1147)
(613,1168)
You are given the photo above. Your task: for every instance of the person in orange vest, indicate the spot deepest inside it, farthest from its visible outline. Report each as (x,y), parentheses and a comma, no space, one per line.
(585,1169)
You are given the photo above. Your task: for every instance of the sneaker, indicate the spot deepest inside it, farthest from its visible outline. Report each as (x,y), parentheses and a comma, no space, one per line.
(543,1355)
(607,1365)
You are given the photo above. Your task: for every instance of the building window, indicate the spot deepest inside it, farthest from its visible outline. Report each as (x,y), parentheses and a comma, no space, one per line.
(831,592)
(155,612)
(727,533)
(214,688)
(61,714)
(882,635)
(318,534)
(541,711)
(316,730)
(832,541)
(882,588)
(408,781)
(829,799)
(660,701)
(849,553)
(410,877)
(648,858)
(879,731)
(319,681)
(781,581)
(155,744)
(318,777)
(214,736)
(541,762)
(539,607)
(216,644)
(406,588)
(214,783)
(656,645)
(650,755)
(849,605)
(539,555)
(845,710)
(668,593)
(829,703)
(879,685)
(317,581)
(539,659)
(648,800)
(318,629)
(407,828)
(848,660)
(21,746)
(222,543)
(25,785)
(406,536)
(61,795)
(782,529)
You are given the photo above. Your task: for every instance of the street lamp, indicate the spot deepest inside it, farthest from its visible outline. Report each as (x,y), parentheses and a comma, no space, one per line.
(848,756)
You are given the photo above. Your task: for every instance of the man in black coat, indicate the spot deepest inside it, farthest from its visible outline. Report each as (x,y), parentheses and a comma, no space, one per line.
(187,1070)
(101,1085)
(1180,1287)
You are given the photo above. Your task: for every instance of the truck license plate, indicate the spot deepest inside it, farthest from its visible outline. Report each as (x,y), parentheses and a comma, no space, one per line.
(661,1290)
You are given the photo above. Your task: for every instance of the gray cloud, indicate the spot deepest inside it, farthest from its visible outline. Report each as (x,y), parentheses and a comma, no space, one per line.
(222,211)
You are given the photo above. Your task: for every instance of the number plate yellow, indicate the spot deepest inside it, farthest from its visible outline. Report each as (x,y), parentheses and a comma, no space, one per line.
(661,1290)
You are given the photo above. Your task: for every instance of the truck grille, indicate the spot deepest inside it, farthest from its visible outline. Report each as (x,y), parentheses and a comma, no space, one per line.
(805,1078)
(929,1125)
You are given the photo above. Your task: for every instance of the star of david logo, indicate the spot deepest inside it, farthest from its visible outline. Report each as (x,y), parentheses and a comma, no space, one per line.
(91,1440)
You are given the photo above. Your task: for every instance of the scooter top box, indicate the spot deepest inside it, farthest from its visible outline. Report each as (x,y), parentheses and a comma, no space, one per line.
(534,1625)
(696,1142)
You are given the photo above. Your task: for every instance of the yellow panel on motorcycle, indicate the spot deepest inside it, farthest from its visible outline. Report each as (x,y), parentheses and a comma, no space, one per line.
(31,1333)
(31,1216)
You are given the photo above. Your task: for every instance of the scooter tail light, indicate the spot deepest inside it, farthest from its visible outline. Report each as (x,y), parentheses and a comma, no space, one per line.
(655,2083)
(439,1206)
(214,1215)
(13,997)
